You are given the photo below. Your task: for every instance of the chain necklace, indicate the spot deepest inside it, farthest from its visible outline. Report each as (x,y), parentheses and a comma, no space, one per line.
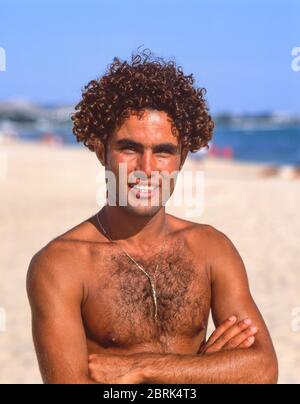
(137,264)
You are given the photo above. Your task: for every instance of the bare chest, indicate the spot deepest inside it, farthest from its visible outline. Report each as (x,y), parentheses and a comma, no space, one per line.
(120,308)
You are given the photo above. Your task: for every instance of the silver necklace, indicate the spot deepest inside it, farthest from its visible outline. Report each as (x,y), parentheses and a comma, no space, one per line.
(137,264)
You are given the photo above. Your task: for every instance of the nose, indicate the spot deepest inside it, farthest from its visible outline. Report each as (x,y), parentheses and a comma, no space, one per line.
(146,162)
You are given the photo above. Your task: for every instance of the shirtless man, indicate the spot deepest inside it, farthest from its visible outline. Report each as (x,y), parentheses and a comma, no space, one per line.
(94,309)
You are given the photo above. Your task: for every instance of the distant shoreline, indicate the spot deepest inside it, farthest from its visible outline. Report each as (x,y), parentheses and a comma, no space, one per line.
(263,138)
(235,167)
(254,148)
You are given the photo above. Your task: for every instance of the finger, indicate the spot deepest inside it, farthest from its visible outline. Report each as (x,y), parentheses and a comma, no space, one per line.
(223,327)
(247,343)
(240,338)
(229,334)
(201,348)
(92,358)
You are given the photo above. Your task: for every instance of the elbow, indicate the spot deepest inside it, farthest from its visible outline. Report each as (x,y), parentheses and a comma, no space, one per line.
(272,376)
(269,372)
(79,380)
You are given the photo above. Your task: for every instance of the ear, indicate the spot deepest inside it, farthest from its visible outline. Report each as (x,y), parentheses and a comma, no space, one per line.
(100,151)
(184,153)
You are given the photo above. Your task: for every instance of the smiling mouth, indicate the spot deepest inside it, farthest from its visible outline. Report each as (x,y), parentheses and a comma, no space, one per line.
(143,190)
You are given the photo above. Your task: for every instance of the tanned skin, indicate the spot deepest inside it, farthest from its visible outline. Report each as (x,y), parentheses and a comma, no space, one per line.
(92,308)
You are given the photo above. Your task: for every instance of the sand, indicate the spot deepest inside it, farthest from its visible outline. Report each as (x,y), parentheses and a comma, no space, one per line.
(46,190)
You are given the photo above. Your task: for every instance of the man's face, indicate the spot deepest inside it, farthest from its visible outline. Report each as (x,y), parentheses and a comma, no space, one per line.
(141,147)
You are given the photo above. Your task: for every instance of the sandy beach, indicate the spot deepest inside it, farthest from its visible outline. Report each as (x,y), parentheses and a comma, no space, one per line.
(46,190)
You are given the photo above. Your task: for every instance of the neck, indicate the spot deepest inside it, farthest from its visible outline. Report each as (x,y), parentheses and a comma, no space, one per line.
(137,230)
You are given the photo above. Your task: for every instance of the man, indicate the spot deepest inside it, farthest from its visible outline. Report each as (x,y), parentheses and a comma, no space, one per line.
(124,297)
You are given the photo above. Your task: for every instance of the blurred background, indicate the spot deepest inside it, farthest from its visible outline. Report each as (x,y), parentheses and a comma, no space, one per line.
(245,53)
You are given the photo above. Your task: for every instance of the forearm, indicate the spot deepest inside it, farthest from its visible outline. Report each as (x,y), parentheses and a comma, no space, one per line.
(224,367)
(69,380)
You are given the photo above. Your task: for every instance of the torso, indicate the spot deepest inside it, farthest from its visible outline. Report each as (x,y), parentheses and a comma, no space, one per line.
(118,312)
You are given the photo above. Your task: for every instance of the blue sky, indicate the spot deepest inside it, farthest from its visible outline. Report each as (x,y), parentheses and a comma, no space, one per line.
(240,50)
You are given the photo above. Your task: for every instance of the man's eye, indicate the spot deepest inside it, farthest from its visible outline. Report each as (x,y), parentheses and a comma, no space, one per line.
(163,154)
(128,150)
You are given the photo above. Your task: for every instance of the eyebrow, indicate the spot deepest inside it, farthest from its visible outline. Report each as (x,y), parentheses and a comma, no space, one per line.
(159,148)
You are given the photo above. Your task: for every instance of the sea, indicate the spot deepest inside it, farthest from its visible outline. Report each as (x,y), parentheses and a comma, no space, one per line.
(278,145)
(269,144)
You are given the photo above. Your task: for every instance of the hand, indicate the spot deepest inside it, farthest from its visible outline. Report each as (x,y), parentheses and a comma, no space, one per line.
(114,369)
(230,335)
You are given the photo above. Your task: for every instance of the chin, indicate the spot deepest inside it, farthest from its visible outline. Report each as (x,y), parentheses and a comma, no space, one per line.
(145,211)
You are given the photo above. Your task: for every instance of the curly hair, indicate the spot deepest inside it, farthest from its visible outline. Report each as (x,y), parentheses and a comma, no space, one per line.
(146,82)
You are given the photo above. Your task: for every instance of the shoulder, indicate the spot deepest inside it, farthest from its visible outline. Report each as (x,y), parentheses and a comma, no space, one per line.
(223,261)
(214,239)
(179,224)
(65,260)
(68,248)
(62,262)
(51,267)
(211,242)
(55,254)
(223,257)
(200,232)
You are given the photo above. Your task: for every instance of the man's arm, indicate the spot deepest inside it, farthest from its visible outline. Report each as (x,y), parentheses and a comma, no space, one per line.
(230,295)
(55,294)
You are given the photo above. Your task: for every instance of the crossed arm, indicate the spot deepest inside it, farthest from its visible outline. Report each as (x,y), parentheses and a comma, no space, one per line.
(228,357)
(218,362)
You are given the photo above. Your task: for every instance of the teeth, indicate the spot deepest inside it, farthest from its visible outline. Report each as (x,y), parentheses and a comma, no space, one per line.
(143,188)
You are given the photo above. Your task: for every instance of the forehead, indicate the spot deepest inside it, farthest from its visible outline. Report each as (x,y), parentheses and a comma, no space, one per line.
(152,128)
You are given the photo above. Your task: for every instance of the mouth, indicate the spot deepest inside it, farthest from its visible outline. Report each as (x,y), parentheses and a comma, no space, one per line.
(143,190)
